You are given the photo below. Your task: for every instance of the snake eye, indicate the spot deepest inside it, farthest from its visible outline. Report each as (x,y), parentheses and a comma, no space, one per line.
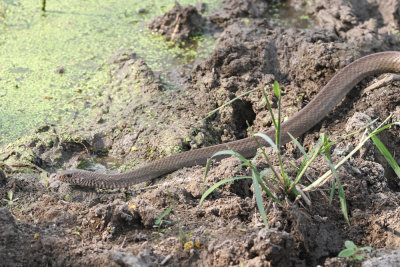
(65,176)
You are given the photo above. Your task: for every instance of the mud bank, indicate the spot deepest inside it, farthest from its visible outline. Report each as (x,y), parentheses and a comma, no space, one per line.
(134,119)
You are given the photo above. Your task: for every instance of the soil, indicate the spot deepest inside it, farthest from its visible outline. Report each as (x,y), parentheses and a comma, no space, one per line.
(134,119)
(179,23)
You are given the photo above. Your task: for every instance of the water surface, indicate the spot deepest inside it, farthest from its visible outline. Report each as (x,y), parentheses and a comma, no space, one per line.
(75,37)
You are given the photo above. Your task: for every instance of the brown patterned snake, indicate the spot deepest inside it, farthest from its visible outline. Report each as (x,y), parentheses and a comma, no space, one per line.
(311,114)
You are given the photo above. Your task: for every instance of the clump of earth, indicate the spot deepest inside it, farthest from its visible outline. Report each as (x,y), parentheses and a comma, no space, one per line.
(134,119)
(178,24)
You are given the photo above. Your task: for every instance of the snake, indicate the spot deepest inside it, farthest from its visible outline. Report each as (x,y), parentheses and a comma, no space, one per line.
(319,107)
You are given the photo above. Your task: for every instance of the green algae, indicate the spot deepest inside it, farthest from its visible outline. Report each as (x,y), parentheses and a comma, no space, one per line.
(289,15)
(75,37)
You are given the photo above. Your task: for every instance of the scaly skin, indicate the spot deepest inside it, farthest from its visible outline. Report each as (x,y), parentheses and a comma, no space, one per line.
(332,93)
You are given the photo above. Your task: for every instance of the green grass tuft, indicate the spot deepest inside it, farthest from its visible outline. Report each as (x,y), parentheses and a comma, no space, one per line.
(273,181)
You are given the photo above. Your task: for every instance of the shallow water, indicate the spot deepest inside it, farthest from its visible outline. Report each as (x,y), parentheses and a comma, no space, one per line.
(76,36)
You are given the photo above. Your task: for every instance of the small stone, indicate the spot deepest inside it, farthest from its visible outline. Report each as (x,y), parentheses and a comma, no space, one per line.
(142,11)
(59,70)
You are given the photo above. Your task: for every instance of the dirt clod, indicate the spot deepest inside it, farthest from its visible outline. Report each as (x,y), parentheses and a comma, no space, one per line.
(178,24)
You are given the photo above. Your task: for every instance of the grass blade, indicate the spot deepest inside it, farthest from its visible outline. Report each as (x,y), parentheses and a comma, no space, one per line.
(220,153)
(268,140)
(228,103)
(216,185)
(161,217)
(270,109)
(265,172)
(259,200)
(277,92)
(231,153)
(342,196)
(385,152)
(311,157)
(261,183)
(299,146)
(326,175)
(352,133)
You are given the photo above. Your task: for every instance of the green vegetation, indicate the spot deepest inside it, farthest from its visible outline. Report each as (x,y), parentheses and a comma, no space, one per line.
(286,15)
(161,219)
(51,61)
(43,5)
(10,201)
(276,181)
(385,152)
(352,252)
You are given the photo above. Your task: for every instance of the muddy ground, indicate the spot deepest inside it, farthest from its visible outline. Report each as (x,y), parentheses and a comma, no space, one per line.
(134,119)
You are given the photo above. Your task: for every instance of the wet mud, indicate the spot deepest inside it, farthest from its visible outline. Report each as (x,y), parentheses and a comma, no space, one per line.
(134,119)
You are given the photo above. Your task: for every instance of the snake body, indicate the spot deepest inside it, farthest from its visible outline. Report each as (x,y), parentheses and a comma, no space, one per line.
(332,93)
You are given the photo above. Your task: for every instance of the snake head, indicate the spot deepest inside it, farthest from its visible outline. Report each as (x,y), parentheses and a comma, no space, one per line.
(67,176)
(78,177)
